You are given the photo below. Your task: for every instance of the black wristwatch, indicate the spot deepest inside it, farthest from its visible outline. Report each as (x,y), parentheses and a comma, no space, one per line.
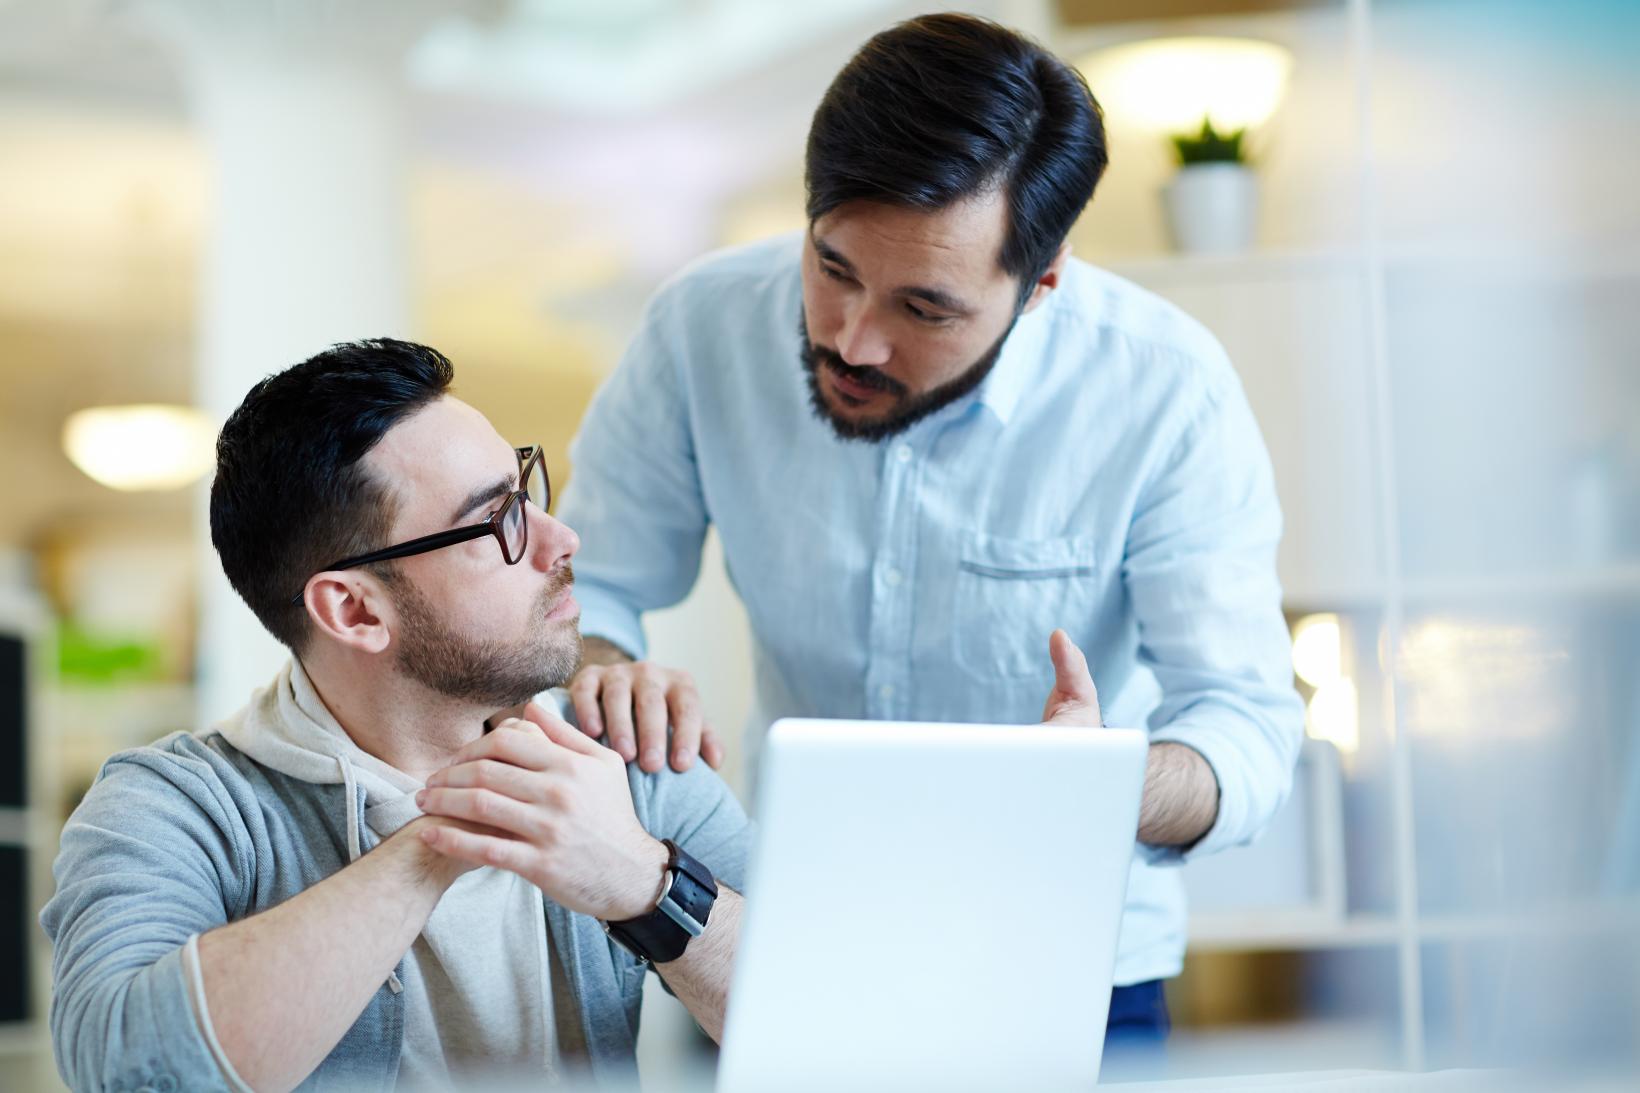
(686,904)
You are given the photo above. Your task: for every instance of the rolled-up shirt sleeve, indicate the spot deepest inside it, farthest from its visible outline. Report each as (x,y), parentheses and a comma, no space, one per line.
(146,865)
(635,497)
(1200,567)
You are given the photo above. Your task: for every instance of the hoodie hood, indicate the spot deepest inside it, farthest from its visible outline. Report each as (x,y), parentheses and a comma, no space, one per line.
(287,727)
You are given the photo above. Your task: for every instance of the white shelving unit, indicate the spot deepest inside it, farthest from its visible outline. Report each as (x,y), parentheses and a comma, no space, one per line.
(1344,330)
(1241,933)
(1173,271)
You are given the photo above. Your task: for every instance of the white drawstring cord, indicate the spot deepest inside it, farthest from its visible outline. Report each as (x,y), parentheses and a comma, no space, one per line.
(350,786)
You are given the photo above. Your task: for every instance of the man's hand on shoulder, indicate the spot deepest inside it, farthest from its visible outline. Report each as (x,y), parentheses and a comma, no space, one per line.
(562,813)
(1073,700)
(635,702)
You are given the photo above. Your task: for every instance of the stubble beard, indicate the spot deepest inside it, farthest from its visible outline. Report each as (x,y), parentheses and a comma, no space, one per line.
(910,409)
(487,672)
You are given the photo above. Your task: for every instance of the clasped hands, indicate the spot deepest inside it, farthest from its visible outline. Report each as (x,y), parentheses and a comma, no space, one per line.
(539,798)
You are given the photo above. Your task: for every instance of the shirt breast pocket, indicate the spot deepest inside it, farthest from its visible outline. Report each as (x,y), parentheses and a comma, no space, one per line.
(1012,593)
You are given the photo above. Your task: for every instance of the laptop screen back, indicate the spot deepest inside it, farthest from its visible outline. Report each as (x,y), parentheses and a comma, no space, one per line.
(932,906)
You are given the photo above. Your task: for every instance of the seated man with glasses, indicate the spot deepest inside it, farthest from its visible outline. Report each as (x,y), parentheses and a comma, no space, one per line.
(391,867)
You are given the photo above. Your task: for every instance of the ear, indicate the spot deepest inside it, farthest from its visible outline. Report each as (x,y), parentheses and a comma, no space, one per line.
(350,608)
(1049,279)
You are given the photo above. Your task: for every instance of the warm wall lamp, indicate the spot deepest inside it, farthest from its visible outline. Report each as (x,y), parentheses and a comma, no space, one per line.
(1203,94)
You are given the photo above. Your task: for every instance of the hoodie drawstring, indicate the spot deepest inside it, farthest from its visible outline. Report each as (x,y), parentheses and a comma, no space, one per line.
(350,787)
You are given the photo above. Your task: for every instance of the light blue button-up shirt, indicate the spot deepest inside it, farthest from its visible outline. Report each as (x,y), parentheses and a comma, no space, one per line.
(1107,477)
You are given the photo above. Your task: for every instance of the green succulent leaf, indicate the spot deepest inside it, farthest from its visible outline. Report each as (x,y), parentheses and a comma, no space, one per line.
(1210,146)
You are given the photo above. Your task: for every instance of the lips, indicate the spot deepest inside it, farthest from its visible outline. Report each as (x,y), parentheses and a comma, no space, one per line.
(566,608)
(851,390)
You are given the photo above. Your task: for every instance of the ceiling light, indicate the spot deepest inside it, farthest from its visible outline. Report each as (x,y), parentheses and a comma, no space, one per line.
(143,447)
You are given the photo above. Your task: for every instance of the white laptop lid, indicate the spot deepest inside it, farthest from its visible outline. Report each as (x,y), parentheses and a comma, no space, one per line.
(932,906)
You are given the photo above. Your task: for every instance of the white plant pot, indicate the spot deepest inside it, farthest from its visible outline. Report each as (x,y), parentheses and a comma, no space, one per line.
(1212,208)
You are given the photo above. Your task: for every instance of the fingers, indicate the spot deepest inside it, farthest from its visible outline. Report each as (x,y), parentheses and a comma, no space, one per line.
(504,778)
(541,716)
(511,742)
(567,736)
(643,711)
(476,849)
(687,728)
(506,759)
(711,748)
(617,709)
(1070,668)
(584,691)
(649,701)
(481,806)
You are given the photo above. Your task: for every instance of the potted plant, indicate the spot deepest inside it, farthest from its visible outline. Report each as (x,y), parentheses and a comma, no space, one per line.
(1212,203)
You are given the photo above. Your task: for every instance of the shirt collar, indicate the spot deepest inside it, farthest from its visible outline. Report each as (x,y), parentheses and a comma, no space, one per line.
(1019,363)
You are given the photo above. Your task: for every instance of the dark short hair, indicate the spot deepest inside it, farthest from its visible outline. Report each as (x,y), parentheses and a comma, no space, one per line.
(943,107)
(291,495)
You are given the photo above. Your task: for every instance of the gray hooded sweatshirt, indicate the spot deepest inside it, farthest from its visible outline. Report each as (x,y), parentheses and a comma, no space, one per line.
(196,831)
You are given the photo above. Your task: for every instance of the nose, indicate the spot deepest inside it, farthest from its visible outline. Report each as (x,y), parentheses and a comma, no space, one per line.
(552,542)
(862,342)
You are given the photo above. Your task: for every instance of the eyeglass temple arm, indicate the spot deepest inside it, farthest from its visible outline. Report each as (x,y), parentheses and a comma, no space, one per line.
(426,542)
(404,550)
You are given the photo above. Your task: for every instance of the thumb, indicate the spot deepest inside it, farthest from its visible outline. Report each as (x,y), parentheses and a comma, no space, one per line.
(1074,700)
(1070,669)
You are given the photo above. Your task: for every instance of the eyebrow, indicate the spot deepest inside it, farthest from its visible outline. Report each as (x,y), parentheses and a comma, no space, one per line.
(941,299)
(499,488)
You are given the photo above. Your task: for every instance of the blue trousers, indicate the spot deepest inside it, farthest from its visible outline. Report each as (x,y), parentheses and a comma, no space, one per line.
(1138,1016)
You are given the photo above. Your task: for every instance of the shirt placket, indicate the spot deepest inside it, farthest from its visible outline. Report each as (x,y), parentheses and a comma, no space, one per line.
(893,573)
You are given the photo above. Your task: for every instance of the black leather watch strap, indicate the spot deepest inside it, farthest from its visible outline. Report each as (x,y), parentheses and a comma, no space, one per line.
(685,906)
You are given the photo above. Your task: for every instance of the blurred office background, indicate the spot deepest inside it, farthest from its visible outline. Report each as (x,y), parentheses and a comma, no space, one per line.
(1435,317)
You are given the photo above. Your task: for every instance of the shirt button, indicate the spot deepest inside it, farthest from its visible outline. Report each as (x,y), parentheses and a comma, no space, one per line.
(886,691)
(903,453)
(893,577)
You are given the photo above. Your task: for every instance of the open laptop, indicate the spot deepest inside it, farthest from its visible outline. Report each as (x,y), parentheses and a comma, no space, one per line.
(932,907)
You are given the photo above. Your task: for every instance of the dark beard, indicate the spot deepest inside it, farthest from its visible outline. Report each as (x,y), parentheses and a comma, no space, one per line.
(910,409)
(486,672)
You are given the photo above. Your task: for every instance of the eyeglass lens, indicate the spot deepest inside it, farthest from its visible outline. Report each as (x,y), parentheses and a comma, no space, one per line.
(536,486)
(515,525)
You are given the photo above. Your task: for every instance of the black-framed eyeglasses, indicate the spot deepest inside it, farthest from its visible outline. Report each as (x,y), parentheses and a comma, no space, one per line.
(509,523)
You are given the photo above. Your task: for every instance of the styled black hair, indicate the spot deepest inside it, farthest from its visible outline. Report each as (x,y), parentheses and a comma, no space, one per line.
(291,495)
(942,107)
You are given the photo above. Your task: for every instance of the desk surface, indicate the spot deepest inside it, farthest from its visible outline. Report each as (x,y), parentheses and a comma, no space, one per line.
(1341,1081)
